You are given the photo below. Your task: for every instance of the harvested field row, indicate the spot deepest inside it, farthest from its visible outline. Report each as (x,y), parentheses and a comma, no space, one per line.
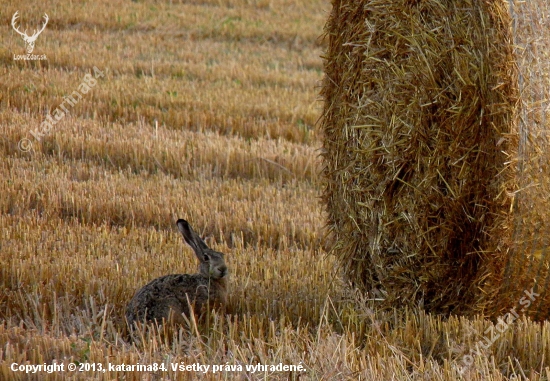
(184,154)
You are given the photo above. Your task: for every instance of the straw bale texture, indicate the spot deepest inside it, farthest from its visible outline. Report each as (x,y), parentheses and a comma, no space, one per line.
(528,265)
(420,148)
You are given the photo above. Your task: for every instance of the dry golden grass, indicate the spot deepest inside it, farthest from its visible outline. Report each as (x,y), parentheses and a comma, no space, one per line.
(206,111)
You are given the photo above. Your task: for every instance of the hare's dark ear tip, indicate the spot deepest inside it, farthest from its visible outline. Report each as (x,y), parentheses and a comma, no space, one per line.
(182,222)
(184,228)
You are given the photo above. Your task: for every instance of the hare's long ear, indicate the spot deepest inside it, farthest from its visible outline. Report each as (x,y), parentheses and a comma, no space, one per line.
(192,239)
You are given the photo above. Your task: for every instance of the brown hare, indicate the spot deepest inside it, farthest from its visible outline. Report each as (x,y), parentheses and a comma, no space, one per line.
(170,297)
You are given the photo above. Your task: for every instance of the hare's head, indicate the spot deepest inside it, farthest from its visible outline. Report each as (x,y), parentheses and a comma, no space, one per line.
(212,264)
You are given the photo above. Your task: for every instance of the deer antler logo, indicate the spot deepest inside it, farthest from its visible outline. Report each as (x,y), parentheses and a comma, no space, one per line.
(29,40)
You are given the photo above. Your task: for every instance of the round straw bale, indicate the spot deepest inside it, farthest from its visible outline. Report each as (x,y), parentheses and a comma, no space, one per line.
(419,145)
(526,279)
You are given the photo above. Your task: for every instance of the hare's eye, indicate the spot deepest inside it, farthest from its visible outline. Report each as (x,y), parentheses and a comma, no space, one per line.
(206,257)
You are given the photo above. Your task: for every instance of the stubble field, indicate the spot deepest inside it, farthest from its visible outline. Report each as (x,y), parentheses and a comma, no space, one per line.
(204,110)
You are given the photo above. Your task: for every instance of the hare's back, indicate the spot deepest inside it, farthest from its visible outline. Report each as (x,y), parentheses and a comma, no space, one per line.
(170,292)
(177,285)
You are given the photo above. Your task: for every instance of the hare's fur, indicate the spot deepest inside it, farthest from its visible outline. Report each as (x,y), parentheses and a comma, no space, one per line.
(170,297)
